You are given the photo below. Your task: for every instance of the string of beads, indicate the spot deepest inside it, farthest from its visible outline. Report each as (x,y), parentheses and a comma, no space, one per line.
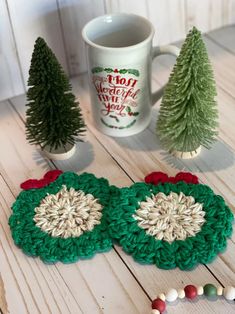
(191,292)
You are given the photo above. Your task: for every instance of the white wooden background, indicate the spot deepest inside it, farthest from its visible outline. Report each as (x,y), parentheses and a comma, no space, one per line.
(60,23)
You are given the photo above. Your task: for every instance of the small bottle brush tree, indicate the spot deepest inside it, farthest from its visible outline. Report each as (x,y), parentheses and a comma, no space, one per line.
(188,113)
(53,118)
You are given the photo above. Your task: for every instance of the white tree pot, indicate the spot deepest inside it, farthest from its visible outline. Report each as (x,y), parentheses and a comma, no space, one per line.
(61,153)
(187,155)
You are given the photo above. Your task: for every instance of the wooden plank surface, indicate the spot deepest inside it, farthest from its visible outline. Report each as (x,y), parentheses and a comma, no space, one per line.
(150,277)
(111,282)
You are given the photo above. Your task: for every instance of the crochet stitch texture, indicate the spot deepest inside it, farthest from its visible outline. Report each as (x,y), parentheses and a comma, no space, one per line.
(186,254)
(170,217)
(68,213)
(36,242)
(167,221)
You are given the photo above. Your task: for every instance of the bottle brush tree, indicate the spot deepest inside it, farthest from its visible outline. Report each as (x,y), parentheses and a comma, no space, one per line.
(53,117)
(188,113)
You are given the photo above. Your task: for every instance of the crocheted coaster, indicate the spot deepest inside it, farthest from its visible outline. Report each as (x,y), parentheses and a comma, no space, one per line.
(62,217)
(170,224)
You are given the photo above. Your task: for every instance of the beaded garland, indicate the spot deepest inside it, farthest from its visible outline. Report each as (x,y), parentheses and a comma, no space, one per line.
(191,292)
(62,217)
(169,235)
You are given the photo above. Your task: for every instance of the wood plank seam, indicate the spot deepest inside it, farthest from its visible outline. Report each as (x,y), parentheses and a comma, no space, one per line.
(3,302)
(124,262)
(186,15)
(25,304)
(15,44)
(89,289)
(124,288)
(49,162)
(59,274)
(16,259)
(63,36)
(214,275)
(105,7)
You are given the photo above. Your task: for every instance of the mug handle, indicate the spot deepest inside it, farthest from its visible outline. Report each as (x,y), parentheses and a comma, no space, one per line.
(157,51)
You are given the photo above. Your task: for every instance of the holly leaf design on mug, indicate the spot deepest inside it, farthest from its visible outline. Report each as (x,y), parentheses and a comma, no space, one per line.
(108,70)
(114,117)
(134,72)
(97,69)
(130,113)
(123,71)
(128,109)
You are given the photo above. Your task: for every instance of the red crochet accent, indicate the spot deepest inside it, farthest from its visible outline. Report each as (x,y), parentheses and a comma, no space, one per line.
(186,177)
(160,177)
(156,178)
(52,175)
(49,177)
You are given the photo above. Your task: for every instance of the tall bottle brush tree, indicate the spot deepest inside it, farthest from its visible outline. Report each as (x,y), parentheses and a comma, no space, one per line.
(188,113)
(53,117)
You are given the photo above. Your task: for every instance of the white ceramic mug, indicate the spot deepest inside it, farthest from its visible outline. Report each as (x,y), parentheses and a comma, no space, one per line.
(120,54)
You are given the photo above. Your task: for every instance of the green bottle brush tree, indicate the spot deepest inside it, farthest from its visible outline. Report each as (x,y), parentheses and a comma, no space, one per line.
(188,113)
(53,118)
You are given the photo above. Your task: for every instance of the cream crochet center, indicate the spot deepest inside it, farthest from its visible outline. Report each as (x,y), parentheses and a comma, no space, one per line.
(170,217)
(68,213)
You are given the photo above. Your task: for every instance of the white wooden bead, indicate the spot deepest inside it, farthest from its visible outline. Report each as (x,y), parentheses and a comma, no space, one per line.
(229,293)
(171,295)
(155,312)
(181,293)
(220,290)
(162,296)
(200,290)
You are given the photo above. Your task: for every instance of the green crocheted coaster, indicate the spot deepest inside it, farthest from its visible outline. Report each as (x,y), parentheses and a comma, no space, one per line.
(170,225)
(65,220)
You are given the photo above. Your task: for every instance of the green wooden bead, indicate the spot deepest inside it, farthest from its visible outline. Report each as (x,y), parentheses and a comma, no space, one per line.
(210,290)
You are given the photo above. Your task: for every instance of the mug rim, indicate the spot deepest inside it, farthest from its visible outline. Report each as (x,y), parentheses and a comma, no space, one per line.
(101,17)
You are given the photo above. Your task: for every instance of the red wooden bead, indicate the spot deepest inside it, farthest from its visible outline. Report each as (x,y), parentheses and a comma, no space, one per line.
(159,305)
(190,291)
